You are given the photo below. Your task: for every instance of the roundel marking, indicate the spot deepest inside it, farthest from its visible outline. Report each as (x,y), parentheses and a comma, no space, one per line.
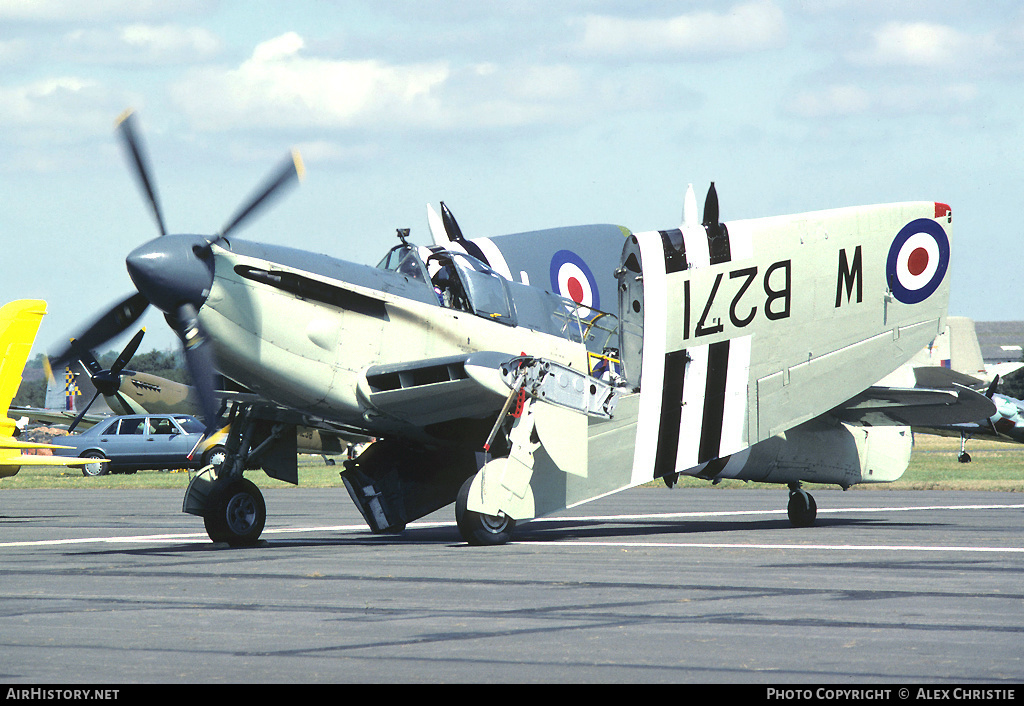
(917,262)
(572,279)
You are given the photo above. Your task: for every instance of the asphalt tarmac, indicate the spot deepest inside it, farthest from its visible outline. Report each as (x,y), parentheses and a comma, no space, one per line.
(647,586)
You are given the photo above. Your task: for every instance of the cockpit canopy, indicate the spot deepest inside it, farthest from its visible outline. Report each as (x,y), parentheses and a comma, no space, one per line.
(463,282)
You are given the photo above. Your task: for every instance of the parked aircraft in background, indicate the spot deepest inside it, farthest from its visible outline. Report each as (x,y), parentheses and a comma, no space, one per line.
(745,349)
(952,359)
(127,391)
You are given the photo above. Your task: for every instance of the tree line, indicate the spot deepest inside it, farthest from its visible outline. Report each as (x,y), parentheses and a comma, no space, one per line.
(32,392)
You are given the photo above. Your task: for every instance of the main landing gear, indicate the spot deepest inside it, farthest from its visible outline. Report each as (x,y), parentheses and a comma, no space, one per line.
(232,506)
(236,512)
(802,508)
(479,529)
(963,457)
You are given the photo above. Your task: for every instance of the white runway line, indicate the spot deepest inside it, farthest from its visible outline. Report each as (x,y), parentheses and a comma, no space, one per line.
(753,545)
(201,537)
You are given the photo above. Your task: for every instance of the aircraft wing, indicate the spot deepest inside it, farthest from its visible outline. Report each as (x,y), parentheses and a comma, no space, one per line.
(437,390)
(889,406)
(56,416)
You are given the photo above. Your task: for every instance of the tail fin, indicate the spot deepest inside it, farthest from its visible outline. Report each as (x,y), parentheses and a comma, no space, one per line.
(956,348)
(61,391)
(964,350)
(19,323)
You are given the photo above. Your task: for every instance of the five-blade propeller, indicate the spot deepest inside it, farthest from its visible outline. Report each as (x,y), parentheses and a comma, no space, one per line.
(173,273)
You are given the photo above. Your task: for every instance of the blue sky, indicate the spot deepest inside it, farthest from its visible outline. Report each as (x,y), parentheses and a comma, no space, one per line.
(519,115)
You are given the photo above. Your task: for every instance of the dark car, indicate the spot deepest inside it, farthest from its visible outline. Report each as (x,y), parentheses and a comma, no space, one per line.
(141,441)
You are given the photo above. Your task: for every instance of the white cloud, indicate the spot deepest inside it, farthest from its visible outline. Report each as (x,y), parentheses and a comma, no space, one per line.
(926,45)
(141,44)
(847,100)
(171,40)
(53,123)
(279,87)
(69,11)
(743,28)
(13,51)
(57,105)
(831,101)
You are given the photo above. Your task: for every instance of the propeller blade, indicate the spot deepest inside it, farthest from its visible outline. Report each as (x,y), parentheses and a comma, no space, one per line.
(992,387)
(711,207)
(119,317)
(126,125)
(127,353)
(289,172)
(87,359)
(689,207)
(199,360)
(450,225)
(437,231)
(81,414)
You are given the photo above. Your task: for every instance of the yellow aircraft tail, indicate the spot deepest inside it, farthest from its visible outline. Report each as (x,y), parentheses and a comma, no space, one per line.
(19,323)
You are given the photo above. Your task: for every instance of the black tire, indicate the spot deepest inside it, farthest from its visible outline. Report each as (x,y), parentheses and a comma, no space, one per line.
(95,469)
(478,529)
(214,456)
(237,513)
(802,508)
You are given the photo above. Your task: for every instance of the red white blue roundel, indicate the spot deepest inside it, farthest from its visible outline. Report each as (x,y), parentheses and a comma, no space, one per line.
(917,262)
(572,279)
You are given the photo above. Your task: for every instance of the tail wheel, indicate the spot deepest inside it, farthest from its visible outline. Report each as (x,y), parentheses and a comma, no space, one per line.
(237,513)
(479,529)
(96,468)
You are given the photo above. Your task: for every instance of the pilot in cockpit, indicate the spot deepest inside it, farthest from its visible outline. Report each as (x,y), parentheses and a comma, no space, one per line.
(447,286)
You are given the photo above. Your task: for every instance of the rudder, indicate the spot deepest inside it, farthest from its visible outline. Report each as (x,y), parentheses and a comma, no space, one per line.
(19,323)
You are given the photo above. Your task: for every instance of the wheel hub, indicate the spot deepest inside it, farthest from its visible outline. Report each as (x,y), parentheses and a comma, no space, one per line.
(241,513)
(494,523)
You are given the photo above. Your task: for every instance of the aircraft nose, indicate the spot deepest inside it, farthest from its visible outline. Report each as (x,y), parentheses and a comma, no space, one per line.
(173,270)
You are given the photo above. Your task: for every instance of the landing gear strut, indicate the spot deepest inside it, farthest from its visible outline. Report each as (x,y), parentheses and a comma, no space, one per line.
(964,457)
(802,508)
(232,507)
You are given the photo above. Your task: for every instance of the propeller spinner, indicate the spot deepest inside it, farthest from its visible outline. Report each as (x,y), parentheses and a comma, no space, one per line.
(174,273)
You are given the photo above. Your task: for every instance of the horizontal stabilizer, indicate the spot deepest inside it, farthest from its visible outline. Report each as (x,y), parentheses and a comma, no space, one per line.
(25,460)
(887,406)
(6,443)
(935,378)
